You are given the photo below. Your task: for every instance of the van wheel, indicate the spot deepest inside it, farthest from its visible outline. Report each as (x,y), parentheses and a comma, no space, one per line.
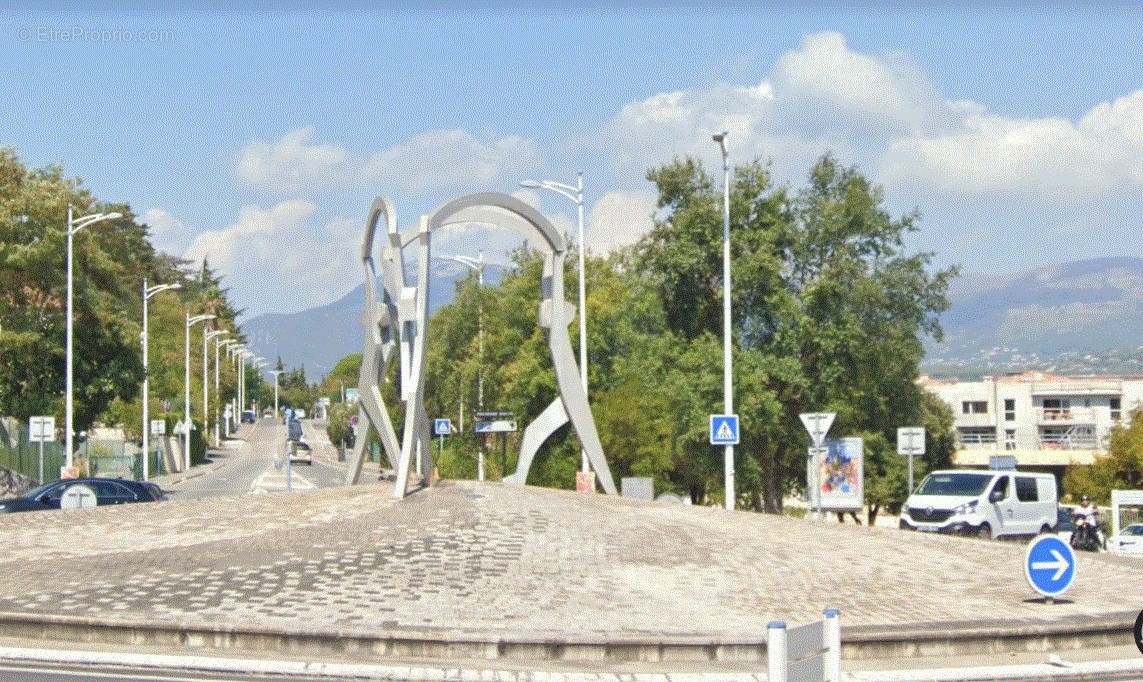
(984,532)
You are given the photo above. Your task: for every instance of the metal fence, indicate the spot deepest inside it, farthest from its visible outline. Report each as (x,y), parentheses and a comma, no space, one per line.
(18,455)
(807,653)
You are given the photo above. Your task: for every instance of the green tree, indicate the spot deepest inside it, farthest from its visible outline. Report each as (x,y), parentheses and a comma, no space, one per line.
(1120,468)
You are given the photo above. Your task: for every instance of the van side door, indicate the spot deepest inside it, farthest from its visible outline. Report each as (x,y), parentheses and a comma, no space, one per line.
(1031,511)
(1003,501)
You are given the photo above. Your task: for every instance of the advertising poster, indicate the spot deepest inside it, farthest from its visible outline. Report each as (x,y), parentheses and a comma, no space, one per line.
(836,474)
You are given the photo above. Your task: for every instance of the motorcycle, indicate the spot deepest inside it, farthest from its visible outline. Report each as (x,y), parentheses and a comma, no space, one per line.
(1086,537)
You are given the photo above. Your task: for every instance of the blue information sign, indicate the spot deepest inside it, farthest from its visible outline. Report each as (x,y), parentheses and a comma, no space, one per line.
(1049,565)
(724,429)
(442,427)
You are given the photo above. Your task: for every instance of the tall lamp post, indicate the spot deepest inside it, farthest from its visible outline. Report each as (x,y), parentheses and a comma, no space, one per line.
(219,344)
(576,195)
(258,364)
(233,353)
(186,388)
(477,265)
(148,292)
(75,225)
(276,372)
(207,335)
(727,385)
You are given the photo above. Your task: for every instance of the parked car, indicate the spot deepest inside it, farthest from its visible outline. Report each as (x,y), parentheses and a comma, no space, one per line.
(301,452)
(983,503)
(248,416)
(107,491)
(1129,540)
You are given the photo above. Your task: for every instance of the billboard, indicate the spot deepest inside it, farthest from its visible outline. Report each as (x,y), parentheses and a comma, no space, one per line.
(835,475)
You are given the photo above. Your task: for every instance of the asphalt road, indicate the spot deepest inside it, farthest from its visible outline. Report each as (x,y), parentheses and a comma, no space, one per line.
(259,467)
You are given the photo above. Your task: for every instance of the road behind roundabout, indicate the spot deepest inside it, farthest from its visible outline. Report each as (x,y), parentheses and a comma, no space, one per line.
(523,577)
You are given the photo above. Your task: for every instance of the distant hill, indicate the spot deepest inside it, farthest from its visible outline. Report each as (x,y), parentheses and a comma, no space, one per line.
(319,337)
(1078,316)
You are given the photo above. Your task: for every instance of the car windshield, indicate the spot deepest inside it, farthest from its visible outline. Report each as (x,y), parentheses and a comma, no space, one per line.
(954,484)
(1133,529)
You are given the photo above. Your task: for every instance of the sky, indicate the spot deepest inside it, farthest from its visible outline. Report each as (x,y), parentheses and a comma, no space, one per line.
(258,138)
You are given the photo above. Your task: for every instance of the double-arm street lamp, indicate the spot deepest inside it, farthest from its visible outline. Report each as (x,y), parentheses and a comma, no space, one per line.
(219,344)
(148,292)
(75,225)
(186,389)
(727,385)
(237,351)
(576,195)
(207,335)
(477,265)
(276,372)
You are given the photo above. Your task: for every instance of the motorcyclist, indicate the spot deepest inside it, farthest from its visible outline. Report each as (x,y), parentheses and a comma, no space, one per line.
(1087,515)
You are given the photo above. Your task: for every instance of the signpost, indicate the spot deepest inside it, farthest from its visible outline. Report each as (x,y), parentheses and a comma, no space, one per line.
(817,425)
(911,443)
(78,496)
(1049,565)
(494,422)
(158,429)
(41,430)
(724,429)
(441,428)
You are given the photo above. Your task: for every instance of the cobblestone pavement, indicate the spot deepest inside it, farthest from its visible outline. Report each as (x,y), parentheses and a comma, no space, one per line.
(467,559)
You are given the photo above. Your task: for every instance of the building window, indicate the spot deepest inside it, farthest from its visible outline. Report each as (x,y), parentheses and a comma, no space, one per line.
(974,407)
(1116,414)
(1010,409)
(1057,408)
(1009,439)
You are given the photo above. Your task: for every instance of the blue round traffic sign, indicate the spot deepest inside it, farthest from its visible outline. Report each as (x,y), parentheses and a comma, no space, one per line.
(1049,565)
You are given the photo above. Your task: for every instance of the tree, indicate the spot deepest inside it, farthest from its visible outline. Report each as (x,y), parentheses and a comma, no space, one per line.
(1120,468)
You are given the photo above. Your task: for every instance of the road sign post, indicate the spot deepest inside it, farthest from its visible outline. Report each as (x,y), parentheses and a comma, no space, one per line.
(40,430)
(817,425)
(441,427)
(1049,565)
(724,429)
(911,443)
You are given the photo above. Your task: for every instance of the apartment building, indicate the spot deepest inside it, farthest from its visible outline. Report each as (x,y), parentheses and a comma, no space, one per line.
(1043,420)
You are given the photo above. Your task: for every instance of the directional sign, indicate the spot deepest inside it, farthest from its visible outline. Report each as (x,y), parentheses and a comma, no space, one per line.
(78,496)
(497,426)
(911,441)
(442,427)
(179,428)
(41,429)
(724,429)
(158,427)
(1049,565)
(817,423)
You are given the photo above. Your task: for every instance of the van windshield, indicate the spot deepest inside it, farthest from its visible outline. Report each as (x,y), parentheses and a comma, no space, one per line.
(954,484)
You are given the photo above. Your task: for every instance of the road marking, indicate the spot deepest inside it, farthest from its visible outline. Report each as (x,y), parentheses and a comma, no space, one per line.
(276,480)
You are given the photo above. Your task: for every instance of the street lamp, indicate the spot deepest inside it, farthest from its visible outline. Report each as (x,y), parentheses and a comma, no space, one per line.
(186,388)
(148,292)
(235,352)
(219,344)
(75,225)
(207,335)
(477,265)
(727,385)
(577,197)
(276,372)
(258,364)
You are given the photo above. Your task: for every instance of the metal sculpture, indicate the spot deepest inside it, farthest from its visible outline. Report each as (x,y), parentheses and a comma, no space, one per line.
(403,325)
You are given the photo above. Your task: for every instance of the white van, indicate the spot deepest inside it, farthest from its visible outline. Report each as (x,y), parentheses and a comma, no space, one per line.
(982,503)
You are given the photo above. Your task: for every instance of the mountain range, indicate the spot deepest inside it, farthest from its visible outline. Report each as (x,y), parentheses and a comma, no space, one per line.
(1077,317)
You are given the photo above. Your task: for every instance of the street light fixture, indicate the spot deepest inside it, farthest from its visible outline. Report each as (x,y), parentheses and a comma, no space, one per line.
(148,292)
(727,385)
(219,344)
(186,389)
(477,265)
(75,225)
(207,335)
(275,372)
(576,195)
(259,363)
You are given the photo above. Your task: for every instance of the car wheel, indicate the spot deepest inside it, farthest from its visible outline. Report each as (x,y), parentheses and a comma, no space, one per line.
(984,532)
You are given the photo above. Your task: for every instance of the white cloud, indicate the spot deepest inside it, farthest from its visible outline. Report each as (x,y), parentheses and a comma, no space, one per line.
(618,219)
(292,164)
(168,233)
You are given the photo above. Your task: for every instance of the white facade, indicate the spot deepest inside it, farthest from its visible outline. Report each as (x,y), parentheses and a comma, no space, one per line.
(1040,419)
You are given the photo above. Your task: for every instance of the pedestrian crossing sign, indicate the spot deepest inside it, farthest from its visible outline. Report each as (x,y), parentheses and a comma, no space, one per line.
(724,429)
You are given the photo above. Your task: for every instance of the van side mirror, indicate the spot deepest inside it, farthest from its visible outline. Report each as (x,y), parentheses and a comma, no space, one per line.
(996,496)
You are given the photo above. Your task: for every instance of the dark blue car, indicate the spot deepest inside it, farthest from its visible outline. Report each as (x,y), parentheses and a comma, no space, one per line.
(107,491)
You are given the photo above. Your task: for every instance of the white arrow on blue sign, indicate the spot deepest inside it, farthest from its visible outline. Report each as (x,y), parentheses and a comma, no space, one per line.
(724,429)
(1049,565)
(442,427)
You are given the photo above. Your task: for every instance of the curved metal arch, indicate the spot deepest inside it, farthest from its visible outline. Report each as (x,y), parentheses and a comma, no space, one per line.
(499,209)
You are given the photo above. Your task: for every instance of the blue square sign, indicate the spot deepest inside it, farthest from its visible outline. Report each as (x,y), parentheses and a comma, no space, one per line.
(724,429)
(442,427)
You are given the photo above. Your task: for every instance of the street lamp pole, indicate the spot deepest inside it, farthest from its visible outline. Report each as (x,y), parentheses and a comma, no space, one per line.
(477,265)
(74,225)
(576,195)
(233,352)
(207,335)
(276,372)
(727,384)
(148,292)
(219,344)
(186,388)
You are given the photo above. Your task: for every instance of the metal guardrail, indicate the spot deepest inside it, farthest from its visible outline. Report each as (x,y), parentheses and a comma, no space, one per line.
(807,653)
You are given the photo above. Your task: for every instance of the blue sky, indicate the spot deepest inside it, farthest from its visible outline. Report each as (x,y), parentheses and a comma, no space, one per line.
(259,138)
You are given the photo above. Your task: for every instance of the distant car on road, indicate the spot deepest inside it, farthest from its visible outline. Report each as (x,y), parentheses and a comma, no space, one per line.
(1129,540)
(107,491)
(301,452)
(248,417)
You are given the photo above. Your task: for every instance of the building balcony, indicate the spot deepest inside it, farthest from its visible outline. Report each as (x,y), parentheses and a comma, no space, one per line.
(1065,415)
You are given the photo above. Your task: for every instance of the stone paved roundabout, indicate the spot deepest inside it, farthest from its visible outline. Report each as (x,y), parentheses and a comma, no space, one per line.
(498,566)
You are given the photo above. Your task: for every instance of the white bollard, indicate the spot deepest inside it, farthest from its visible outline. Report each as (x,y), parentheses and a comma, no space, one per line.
(776,651)
(833,645)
